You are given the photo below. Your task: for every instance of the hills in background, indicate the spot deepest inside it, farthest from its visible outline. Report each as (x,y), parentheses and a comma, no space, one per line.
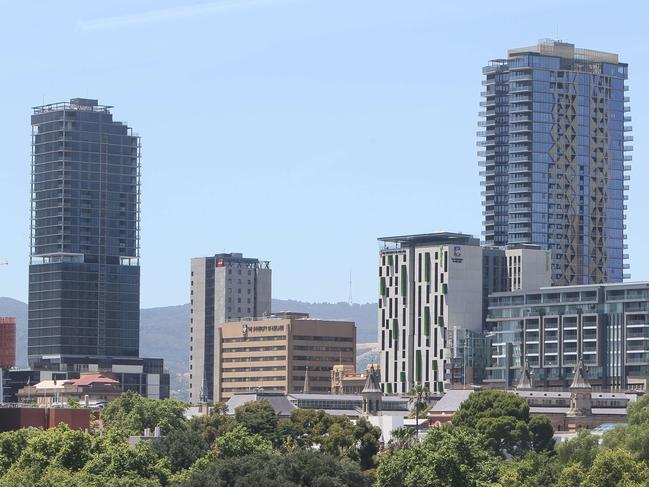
(164,331)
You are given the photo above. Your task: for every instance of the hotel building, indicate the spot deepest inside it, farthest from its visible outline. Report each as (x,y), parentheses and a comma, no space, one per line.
(224,287)
(432,294)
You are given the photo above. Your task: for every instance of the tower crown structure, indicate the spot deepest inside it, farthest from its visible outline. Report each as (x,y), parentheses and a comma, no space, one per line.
(372,394)
(306,388)
(525,382)
(581,401)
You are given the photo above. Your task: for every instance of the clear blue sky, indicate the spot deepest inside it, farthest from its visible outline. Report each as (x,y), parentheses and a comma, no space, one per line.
(295,131)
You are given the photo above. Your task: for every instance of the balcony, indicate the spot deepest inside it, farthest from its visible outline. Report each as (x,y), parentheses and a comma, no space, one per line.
(520,118)
(518,127)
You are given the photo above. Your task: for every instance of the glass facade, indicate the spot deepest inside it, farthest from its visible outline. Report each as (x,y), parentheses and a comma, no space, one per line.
(606,325)
(554,158)
(84,274)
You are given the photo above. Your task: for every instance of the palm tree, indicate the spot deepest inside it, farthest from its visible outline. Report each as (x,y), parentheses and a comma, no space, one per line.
(401,438)
(420,395)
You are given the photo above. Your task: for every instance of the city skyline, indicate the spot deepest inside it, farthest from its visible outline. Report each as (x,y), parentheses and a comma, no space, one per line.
(223,130)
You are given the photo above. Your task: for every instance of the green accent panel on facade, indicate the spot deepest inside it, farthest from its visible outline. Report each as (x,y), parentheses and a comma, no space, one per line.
(445,288)
(382,286)
(389,388)
(440,387)
(390,260)
(427,266)
(434,364)
(427,321)
(418,366)
(440,321)
(404,280)
(395,328)
(402,376)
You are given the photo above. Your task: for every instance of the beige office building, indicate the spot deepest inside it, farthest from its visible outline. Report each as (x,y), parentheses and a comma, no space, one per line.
(275,354)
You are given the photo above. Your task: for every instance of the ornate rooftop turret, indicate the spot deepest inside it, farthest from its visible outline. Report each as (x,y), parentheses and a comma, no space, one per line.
(581,401)
(372,393)
(306,389)
(579,381)
(371,382)
(525,380)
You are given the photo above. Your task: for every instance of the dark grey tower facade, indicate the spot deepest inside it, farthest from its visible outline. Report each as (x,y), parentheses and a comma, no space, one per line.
(84,274)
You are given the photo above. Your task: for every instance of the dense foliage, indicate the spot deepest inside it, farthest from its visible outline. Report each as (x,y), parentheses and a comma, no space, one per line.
(492,442)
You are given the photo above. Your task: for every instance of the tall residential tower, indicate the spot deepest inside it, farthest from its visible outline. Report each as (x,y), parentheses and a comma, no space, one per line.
(554,157)
(84,272)
(225,287)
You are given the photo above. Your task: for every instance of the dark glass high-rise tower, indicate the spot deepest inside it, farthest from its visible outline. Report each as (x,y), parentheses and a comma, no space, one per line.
(84,274)
(554,157)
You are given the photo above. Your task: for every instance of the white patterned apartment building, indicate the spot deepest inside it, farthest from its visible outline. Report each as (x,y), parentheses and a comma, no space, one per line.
(431,285)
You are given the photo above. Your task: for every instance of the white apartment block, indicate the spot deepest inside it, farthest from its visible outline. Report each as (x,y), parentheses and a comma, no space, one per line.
(431,285)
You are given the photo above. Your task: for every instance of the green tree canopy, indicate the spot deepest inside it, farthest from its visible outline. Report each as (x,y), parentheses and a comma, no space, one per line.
(238,442)
(448,456)
(580,450)
(213,424)
(181,447)
(294,469)
(503,419)
(132,413)
(533,470)
(258,417)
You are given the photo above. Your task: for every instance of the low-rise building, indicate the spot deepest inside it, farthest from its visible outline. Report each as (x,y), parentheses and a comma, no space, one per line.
(282,354)
(578,407)
(606,324)
(89,388)
(346,380)
(15,418)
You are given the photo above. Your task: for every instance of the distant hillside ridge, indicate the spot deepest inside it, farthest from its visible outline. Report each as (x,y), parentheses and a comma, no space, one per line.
(164,331)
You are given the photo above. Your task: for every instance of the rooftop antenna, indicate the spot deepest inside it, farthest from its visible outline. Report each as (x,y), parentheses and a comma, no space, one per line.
(350,298)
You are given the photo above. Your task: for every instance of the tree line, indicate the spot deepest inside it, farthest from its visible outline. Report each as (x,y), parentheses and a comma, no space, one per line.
(492,441)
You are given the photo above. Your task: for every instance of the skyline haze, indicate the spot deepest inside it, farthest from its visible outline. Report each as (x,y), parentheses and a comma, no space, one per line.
(321,129)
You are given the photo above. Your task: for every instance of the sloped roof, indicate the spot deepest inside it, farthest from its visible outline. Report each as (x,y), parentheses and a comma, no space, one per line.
(51,384)
(525,380)
(451,400)
(89,379)
(580,381)
(281,405)
(371,383)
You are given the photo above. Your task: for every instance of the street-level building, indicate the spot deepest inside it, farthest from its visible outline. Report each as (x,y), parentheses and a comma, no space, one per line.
(606,324)
(432,284)
(224,287)
(555,154)
(87,389)
(345,379)
(280,354)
